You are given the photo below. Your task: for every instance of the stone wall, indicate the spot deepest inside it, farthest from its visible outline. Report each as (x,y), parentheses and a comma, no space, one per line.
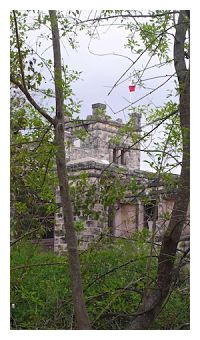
(93,155)
(100,141)
(92,229)
(127,218)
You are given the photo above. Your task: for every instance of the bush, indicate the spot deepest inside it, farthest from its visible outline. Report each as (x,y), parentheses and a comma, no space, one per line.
(39,292)
(114,275)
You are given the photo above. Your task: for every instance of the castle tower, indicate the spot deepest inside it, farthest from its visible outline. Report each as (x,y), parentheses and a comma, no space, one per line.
(104,140)
(91,145)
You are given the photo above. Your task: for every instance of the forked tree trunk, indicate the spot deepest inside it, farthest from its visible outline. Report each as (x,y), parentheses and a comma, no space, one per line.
(153,298)
(81,316)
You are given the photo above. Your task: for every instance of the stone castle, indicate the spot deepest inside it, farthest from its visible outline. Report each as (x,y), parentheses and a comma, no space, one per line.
(102,150)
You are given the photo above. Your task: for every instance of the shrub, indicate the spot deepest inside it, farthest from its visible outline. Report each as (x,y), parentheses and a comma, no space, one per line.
(114,275)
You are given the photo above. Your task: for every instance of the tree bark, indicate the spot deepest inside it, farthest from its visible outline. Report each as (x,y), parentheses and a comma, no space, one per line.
(153,298)
(81,316)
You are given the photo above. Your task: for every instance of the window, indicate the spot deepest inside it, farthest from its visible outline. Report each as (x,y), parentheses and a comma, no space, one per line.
(119,156)
(115,159)
(150,209)
(123,157)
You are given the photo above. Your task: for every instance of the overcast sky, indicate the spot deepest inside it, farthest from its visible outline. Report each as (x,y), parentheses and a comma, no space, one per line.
(101,66)
(101,71)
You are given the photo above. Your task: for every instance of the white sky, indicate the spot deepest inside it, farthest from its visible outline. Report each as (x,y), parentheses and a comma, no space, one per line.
(100,69)
(101,66)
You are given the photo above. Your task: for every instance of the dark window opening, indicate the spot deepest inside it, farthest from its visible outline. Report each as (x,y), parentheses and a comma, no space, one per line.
(115,159)
(119,158)
(48,225)
(150,209)
(123,157)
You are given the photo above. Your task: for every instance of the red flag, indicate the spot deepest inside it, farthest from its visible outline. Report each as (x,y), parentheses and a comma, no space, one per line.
(131,88)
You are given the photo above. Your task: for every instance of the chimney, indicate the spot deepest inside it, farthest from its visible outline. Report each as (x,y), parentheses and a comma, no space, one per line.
(137,118)
(98,109)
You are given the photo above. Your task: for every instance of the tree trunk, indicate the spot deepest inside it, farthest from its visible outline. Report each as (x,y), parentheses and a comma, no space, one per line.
(81,316)
(153,298)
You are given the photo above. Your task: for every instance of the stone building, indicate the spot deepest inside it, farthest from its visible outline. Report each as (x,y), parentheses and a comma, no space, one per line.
(98,145)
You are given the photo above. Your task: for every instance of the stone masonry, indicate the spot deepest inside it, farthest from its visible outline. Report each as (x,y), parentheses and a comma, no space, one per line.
(101,148)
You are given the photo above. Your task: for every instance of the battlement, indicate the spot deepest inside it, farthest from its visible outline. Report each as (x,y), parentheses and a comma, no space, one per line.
(104,139)
(98,144)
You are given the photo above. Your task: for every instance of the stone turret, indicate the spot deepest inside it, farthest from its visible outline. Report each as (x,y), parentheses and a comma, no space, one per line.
(98,113)
(98,108)
(137,118)
(105,140)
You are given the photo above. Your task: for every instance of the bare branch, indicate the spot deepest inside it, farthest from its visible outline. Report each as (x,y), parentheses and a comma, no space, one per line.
(32,101)
(146,95)
(145,50)
(143,137)
(129,15)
